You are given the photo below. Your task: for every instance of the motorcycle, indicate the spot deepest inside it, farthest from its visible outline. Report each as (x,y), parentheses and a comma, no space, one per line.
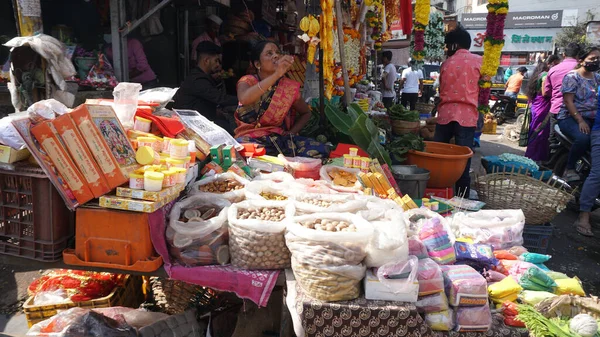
(502,104)
(560,149)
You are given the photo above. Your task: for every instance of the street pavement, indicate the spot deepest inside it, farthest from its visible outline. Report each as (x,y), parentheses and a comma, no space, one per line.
(571,253)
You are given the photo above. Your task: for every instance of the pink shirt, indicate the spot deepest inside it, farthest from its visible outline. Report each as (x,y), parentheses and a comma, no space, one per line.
(202,38)
(137,62)
(553,85)
(459,89)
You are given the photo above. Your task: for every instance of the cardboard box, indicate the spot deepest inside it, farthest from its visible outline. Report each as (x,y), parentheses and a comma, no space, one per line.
(107,140)
(125,192)
(375,290)
(39,157)
(128,204)
(47,136)
(81,155)
(9,155)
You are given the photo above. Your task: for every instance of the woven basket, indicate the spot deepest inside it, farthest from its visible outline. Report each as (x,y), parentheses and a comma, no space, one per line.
(540,201)
(403,127)
(175,297)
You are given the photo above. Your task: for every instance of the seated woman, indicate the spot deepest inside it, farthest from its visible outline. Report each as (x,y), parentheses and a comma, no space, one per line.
(271,110)
(580,103)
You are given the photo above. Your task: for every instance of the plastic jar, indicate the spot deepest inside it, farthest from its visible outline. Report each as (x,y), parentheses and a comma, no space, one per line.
(178,148)
(356,162)
(142,124)
(180,175)
(169,178)
(147,141)
(192,150)
(153,181)
(166,145)
(158,145)
(353,152)
(145,155)
(348,161)
(136,181)
(188,162)
(173,162)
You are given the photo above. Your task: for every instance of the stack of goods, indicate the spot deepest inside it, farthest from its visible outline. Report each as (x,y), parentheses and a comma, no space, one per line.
(393,281)
(468,296)
(61,285)
(227,159)
(432,298)
(506,290)
(479,256)
(437,241)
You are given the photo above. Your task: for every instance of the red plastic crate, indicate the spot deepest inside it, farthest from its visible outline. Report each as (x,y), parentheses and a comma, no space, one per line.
(34,221)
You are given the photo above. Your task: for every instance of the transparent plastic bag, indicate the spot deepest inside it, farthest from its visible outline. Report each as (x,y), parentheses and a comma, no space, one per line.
(415,218)
(533,297)
(473,319)
(501,229)
(94,324)
(431,279)
(126,101)
(440,321)
(232,195)
(399,277)
(268,190)
(255,243)
(464,286)
(51,297)
(377,208)
(307,203)
(46,109)
(162,95)
(324,174)
(432,303)
(58,323)
(8,133)
(328,265)
(389,242)
(278,177)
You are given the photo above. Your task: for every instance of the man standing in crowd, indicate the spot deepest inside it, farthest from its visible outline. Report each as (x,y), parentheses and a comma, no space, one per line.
(211,34)
(459,90)
(554,79)
(388,79)
(412,84)
(203,91)
(513,87)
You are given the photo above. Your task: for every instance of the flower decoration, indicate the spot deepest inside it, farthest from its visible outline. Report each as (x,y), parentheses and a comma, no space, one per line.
(492,50)
(421,22)
(434,37)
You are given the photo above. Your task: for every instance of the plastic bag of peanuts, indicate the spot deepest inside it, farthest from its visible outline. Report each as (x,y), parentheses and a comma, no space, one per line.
(227,185)
(197,232)
(307,203)
(256,234)
(327,254)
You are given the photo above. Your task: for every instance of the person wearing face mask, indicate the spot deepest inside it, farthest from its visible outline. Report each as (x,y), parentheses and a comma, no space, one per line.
(271,110)
(203,91)
(459,90)
(578,111)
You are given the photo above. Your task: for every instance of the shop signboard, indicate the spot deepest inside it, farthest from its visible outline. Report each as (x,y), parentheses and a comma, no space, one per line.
(396,30)
(519,40)
(534,19)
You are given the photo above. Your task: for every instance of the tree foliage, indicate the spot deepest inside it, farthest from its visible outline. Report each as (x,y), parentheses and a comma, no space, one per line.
(574,33)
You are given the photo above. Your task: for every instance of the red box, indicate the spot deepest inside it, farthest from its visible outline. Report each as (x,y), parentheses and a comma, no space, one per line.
(446,193)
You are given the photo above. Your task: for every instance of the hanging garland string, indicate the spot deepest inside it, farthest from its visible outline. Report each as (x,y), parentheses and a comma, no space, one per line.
(492,50)
(421,22)
(434,38)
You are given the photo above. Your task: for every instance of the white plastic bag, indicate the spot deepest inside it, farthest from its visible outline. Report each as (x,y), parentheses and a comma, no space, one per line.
(389,242)
(328,265)
(387,275)
(415,218)
(162,95)
(501,229)
(257,189)
(51,297)
(324,173)
(8,133)
(278,177)
(47,109)
(126,100)
(328,203)
(259,244)
(377,208)
(232,196)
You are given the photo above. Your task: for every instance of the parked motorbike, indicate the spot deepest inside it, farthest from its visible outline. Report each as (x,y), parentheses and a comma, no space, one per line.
(502,104)
(558,163)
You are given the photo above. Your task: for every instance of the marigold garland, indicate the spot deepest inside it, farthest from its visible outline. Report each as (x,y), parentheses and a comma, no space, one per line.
(421,21)
(492,50)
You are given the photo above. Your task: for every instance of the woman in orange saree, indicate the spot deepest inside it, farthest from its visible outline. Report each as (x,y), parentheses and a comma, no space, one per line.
(271,110)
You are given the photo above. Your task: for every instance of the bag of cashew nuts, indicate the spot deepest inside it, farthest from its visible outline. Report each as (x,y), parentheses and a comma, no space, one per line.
(327,254)
(307,203)
(227,185)
(256,234)
(197,233)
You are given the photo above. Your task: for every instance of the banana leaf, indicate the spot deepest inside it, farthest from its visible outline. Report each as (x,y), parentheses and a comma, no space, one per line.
(379,152)
(354,110)
(340,120)
(365,134)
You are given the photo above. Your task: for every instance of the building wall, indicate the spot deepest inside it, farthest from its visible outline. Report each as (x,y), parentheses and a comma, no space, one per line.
(582,6)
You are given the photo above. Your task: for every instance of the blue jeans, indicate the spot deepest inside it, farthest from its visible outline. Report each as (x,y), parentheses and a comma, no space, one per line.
(591,187)
(581,141)
(463,136)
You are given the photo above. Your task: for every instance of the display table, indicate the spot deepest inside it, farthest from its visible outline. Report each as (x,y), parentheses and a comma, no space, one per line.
(362,317)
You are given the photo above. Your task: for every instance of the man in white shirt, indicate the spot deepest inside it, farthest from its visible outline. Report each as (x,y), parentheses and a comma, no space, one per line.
(388,79)
(412,80)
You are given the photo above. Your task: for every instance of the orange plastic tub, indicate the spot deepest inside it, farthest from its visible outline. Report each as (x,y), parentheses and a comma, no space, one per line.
(445,162)
(112,239)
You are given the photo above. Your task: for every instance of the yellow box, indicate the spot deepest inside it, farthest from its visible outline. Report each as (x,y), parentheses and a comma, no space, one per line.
(125,192)
(128,204)
(9,155)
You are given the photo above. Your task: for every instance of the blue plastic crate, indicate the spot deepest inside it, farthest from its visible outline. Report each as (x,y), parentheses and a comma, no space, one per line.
(536,238)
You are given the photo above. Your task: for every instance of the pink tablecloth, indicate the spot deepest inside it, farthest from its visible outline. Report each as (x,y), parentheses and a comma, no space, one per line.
(255,285)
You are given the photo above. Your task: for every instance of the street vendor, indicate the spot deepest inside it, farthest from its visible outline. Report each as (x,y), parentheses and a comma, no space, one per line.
(205,92)
(459,90)
(271,110)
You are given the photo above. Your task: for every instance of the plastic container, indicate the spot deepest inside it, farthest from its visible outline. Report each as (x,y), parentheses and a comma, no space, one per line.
(34,221)
(445,162)
(147,141)
(146,155)
(153,181)
(536,238)
(136,181)
(348,161)
(172,162)
(108,238)
(192,150)
(166,148)
(142,124)
(178,148)
(128,295)
(180,174)
(169,179)
(411,180)
(353,152)
(305,167)
(126,102)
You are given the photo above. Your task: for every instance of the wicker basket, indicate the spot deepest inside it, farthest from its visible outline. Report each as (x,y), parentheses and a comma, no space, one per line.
(540,201)
(174,297)
(403,127)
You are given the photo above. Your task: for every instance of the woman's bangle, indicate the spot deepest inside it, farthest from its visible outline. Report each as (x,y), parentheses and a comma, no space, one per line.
(261,89)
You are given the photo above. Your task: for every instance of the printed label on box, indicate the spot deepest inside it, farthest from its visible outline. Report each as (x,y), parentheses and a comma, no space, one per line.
(61,162)
(104,161)
(76,148)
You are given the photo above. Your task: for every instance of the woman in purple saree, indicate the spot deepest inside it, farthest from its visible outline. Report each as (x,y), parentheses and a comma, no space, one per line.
(538,146)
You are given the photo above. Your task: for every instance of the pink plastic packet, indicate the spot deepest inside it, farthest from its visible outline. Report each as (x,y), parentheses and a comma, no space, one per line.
(473,319)
(464,286)
(432,303)
(430,278)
